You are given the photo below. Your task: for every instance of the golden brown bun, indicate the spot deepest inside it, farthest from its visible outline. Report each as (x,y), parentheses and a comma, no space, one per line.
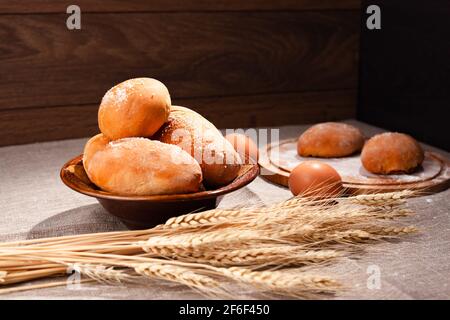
(330,140)
(134,108)
(140,166)
(219,161)
(96,143)
(391,152)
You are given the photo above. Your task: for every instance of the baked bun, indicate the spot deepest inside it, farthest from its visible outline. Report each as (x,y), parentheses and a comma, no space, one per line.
(391,152)
(134,108)
(96,143)
(330,140)
(186,128)
(139,166)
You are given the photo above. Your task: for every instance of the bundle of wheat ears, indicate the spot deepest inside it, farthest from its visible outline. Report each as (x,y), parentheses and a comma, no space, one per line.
(277,250)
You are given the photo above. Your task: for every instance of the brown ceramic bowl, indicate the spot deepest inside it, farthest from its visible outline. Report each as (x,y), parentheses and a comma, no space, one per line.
(139,212)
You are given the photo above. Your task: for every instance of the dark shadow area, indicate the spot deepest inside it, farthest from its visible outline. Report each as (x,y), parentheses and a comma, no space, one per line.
(87,219)
(404,69)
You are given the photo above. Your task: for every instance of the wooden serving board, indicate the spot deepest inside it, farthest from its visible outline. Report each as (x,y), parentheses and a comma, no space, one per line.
(278,159)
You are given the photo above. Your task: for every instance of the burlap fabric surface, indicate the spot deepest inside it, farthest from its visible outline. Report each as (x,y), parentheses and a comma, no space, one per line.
(35,203)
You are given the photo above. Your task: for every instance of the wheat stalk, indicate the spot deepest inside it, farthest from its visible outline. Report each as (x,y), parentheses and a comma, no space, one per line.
(40,286)
(27,275)
(82,238)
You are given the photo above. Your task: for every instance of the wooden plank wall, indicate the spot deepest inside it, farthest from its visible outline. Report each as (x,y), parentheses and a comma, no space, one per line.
(240,63)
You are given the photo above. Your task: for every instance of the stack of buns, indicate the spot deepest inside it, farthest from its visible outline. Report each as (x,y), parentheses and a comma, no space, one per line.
(148,147)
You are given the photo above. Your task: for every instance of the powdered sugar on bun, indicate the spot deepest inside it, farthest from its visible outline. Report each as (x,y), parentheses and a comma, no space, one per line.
(134,108)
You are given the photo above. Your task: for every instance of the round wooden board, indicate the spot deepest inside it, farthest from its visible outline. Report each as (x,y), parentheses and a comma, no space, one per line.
(278,159)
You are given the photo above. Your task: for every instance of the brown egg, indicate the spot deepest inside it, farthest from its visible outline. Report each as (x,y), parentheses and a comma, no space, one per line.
(315,178)
(244,145)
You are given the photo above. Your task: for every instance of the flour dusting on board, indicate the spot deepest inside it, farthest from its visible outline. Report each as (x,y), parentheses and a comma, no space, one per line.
(351,169)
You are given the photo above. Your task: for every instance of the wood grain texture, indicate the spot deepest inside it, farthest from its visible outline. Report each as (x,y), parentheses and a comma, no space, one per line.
(55,123)
(59,6)
(194,54)
(275,109)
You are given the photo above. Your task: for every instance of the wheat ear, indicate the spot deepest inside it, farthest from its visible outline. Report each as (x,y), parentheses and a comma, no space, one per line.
(102,273)
(177,274)
(226,216)
(201,218)
(217,216)
(390,198)
(265,256)
(360,236)
(281,282)
(177,244)
(392,231)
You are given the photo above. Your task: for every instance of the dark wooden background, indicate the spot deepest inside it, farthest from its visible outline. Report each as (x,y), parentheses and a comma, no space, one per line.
(240,63)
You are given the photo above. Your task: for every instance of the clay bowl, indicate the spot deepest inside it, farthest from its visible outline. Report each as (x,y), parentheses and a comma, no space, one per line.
(140,212)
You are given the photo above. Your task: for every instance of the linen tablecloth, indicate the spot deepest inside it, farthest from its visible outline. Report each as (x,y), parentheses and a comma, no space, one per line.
(35,203)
